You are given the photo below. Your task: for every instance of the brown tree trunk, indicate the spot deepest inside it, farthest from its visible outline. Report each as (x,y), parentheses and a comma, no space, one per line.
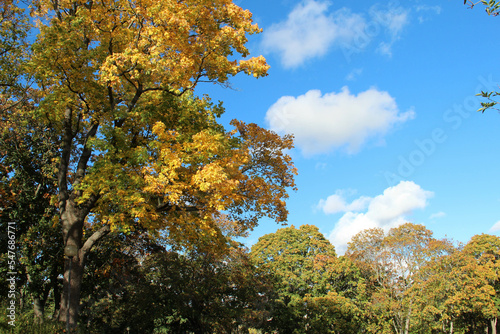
(407,322)
(38,310)
(73,271)
(73,267)
(72,223)
(73,217)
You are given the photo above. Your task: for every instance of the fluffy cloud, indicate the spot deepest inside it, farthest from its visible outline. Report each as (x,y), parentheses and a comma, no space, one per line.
(337,203)
(311,29)
(386,211)
(321,123)
(495,227)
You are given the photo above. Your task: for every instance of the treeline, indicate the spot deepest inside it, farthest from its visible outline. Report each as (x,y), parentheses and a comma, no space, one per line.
(291,281)
(402,281)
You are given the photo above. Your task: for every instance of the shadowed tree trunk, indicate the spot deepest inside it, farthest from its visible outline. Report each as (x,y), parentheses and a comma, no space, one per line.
(73,273)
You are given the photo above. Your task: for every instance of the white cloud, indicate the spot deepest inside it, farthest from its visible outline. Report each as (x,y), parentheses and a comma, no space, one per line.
(393,20)
(312,29)
(385,48)
(321,123)
(309,32)
(425,8)
(337,203)
(440,214)
(495,227)
(386,211)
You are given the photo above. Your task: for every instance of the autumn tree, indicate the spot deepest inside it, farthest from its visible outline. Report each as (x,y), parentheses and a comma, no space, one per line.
(392,264)
(480,274)
(136,148)
(14,50)
(317,292)
(455,297)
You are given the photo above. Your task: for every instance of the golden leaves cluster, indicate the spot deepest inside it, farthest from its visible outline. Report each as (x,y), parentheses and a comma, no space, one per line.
(149,44)
(186,176)
(115,80)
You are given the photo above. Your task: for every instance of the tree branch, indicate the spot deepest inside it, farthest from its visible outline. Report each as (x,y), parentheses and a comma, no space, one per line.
(67,140)
(86,154)
(169,207)
(96,236)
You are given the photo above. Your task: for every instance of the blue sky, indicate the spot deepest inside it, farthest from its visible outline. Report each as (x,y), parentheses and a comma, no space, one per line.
(381,100)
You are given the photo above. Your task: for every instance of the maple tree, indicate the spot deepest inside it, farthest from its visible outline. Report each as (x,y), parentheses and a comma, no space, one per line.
(113,81)
(14,51)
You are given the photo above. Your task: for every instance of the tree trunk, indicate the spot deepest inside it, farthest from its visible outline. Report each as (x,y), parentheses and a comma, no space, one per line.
(72,221)
(73,273)
(38,309)
(57,299)
(39,299)
(407,322)
(493,326)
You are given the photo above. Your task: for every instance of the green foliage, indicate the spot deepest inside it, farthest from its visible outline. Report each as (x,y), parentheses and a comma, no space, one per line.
(492,6)
(27,186)
(391,263)
(134,283)
(26,324)
(25,320)
(317,292)
(14,49)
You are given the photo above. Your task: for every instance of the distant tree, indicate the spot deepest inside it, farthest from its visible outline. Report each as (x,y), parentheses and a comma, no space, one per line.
(458,292)
(483,269)
(317,292)
(393,263)
(205,292)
